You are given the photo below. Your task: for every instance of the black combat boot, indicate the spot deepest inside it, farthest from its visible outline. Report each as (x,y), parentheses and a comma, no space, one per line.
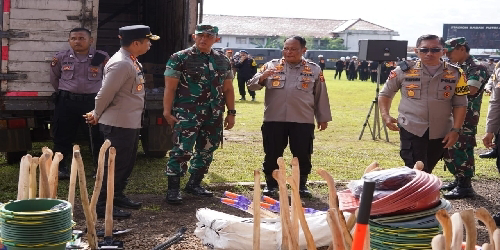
(303,191)
(193,186)
(490,155)
(120,200)
(173,190)
(462,190)
(271,188)
(450,186)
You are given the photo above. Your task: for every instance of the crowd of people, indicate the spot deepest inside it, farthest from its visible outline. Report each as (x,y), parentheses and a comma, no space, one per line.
(438,112)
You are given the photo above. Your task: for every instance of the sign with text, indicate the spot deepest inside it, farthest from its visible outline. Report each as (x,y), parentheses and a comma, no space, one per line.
(479,36)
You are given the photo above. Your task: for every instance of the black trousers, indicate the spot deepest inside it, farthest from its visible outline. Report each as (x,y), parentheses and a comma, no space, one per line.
(275,138)
(415,148)
(242,87)
(339,73)
(374,76)
(497,148)
(352,75)
(125,141)
(68,120)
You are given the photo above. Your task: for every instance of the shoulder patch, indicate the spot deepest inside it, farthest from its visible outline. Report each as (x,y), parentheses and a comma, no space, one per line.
(54,61)
(454,66)
(461,88)
(313,63)
(393,74)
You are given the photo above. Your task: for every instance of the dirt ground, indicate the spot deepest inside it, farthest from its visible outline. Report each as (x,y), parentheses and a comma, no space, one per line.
(157,220)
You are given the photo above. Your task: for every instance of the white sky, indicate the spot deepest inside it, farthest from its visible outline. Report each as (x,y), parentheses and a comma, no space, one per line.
(410,18)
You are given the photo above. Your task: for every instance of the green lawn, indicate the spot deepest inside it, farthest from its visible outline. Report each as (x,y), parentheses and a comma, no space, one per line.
(336,149)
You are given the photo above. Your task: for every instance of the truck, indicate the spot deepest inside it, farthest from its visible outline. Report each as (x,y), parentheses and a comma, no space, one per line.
(32,31)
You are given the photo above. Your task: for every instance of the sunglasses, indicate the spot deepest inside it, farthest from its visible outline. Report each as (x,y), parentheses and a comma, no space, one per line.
(432,50)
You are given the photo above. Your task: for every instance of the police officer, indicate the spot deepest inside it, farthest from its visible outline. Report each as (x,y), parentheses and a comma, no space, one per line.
(198,82)
(76,75)
(321,62)
(432,107)
(246,67)
(460,158)
(363,70)
(298,85)
(493,121)
(118,110)
(353,69)
(373,71)
(339,67)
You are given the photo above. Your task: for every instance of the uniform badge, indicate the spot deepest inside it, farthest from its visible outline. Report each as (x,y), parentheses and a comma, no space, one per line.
(276,83)
(263,68)
(447,87)
(446,94)
(66,68)
(94,70)
(279,67)
(448,74)
(94,74)
(307,68)
(133,58)
(139,87)
(137,68)
(392,75)
(54,62)
(142,80)
(321,78)
(305,85)
(410,93)
(412,72)
(303,63)
(306,79)
(276,77)
(412,86)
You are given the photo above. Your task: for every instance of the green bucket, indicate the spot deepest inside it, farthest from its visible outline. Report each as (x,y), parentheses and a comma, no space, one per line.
(36,224)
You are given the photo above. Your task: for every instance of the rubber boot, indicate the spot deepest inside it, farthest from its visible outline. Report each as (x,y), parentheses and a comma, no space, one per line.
(271,188)
(462,190)
(303,191)
(173,190)
(450,186)
(193,186)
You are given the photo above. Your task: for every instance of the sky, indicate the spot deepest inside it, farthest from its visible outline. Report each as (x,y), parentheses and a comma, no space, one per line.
(410,19)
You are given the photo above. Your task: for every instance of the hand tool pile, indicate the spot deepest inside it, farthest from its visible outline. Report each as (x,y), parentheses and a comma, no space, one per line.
(405,218)
(294,228)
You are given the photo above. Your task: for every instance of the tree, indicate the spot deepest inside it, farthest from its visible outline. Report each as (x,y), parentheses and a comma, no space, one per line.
(274,42)
(326,43)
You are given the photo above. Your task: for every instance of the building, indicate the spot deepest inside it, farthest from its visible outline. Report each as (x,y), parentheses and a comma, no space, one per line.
(255,31)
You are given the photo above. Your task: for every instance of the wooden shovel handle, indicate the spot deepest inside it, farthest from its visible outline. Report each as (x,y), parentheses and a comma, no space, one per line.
(496,237)
(43,188)
(438,242)
(72,178)
(288,242)
(444,219)
(108,227)
(300,214)
(470,229)
(54,174)
(256,214)
(296,177)
(457,229)
(33,167)
(99,177)
(483,215)
(91,233)
(335,228)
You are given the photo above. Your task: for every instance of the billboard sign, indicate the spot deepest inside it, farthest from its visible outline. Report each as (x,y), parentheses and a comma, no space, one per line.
(479,36)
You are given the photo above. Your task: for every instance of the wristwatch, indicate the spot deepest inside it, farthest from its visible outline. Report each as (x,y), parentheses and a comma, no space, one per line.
(231,112)
(458,130)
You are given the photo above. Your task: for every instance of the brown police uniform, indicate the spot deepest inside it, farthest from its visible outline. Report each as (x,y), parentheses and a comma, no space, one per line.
(425,110)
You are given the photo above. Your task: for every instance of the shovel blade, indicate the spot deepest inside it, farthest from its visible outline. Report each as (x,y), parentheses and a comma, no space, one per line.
(109,243)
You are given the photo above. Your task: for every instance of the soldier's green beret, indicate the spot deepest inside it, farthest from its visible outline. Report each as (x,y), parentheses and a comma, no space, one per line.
(452,43)
(207,28)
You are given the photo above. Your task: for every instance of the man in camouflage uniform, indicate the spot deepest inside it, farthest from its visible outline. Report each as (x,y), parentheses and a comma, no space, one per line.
(198,82)
(459,159)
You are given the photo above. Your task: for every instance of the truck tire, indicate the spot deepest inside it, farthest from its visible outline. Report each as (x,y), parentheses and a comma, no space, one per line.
(15,157)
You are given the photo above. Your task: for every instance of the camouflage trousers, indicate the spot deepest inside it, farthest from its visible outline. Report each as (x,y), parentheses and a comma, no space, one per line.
(202,131)
(459,159)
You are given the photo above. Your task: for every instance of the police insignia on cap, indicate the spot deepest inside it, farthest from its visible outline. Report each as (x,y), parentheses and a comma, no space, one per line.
(276,83)
(410,93)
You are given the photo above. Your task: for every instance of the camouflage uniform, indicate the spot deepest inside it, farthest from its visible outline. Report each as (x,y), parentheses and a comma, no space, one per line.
(199,107)
(460,158)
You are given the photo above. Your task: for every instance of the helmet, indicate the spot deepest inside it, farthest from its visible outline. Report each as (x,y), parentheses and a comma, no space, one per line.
(342,59)
(347,58)
(354,57)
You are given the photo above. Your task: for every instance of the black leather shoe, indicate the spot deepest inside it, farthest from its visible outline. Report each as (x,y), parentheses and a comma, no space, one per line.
(270,191)
(490,155)
(462,190)
(124,202)
(173,190)
(303,191)
(193,186)
(117,213)
(63,174)
(450,186)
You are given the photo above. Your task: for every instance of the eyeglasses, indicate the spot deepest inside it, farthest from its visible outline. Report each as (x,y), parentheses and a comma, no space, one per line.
(432,50)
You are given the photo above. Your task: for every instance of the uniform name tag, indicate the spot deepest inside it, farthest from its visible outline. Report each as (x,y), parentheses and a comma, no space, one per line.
(66,68)
(94,70)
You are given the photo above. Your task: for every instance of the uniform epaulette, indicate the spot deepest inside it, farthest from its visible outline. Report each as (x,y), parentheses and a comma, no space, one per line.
(313,63)
(275,60)
(453,66)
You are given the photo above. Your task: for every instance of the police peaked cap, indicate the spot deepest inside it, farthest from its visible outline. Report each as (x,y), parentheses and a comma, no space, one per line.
(135,32)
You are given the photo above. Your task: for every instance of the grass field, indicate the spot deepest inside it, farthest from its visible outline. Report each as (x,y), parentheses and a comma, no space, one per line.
(336,149)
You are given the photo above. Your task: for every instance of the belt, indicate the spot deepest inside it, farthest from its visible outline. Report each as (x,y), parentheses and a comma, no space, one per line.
(76,97)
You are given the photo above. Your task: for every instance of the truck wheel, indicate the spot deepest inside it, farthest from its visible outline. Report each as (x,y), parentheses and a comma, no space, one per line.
(15,157)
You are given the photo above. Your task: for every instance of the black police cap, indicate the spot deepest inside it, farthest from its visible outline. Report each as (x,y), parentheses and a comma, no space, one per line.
(134,32)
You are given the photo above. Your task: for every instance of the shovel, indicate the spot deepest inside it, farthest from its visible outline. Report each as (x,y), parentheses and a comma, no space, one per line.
(108,242)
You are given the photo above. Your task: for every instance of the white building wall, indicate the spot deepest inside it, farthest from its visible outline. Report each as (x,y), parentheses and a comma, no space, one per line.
(351,40)
(230,42)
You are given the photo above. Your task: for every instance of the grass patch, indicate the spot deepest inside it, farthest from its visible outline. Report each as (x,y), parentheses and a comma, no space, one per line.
(336,149)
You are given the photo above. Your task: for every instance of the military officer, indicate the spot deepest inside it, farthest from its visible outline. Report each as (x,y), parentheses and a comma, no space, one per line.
(118,110)
(295,94)
(198,83)
(432,107)
(460,158)
(76,75)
